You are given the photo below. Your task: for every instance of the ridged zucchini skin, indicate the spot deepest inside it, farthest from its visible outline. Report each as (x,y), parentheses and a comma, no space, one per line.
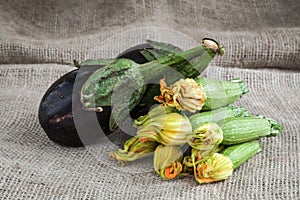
(221,93)
(217,115)
(243,129)
(240,153)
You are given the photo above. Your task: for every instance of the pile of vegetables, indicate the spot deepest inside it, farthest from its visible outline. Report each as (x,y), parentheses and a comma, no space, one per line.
(185,121)
(194,129)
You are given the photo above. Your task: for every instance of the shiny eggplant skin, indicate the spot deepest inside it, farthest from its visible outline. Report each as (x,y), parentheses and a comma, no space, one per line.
(56,115)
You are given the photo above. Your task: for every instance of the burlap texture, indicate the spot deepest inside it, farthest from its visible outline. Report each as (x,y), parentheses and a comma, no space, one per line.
(256,33)
(31,166)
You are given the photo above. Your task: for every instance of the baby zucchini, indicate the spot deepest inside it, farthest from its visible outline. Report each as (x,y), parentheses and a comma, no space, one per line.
(243,129)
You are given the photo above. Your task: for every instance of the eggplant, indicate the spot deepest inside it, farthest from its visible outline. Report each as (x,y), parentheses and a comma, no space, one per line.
(62,117)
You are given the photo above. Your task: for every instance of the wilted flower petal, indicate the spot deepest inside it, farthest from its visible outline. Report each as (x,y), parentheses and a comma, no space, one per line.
(134,149)
(205,137)
(185,94)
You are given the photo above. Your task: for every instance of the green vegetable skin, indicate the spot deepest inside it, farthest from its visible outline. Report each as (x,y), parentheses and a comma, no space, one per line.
(124,76)
(217,115)
(240,153)
(94,62)
(221,93)
(159,50)
(244,129)
(189,69)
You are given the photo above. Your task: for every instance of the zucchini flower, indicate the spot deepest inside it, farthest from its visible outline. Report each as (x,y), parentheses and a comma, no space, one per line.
(153,113)
(217,167)
(201,155)
(198,157)
(165,128)
(133,149)
(170,129)
(187,165)
(167,161)
(185,94)
(205,137)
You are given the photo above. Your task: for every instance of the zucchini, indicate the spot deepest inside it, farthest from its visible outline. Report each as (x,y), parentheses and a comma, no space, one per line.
(122,72)
(190,68)
(243,129)
(217,115)
(221,93)
(200,94)
(122,82)
(240,153)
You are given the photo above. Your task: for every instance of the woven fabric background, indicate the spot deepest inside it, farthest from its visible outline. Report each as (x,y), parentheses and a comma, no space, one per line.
(40,39)
(31,166)
(257,33)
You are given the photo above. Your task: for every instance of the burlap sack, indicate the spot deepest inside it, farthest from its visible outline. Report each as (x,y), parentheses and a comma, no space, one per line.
(34,167)
(256,34)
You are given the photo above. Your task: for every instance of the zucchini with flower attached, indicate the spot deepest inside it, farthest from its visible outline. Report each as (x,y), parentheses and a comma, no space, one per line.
(219,166)
(201,94)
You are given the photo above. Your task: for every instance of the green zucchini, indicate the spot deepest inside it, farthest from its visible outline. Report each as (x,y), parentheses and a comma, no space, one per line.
(221,93)
(190,68)
(244,129)
(122,82)
(240,153)
(200,94)
(121,73)
(217,115)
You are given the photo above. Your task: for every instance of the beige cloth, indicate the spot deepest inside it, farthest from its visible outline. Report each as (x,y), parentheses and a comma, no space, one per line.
(256,34)
(34,167)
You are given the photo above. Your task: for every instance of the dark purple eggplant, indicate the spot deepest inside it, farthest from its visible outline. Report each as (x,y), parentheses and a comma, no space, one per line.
(60,106)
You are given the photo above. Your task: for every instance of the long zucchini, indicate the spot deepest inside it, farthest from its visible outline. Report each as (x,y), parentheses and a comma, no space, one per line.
(124,73)
(122,83)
